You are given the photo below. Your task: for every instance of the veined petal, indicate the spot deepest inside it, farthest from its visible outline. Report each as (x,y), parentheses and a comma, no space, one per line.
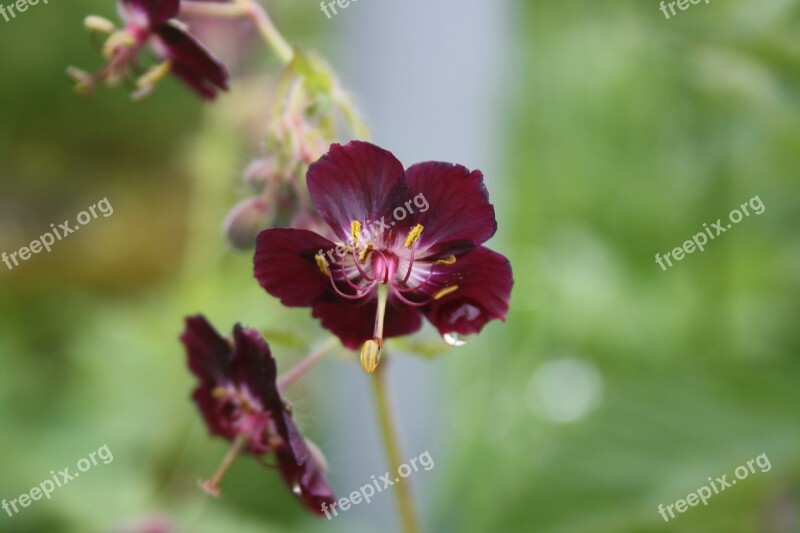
(484,280)
(285,266)
(356,182)
(457,216)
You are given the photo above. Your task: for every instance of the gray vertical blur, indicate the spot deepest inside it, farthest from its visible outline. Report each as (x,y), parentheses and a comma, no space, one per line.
(431,77)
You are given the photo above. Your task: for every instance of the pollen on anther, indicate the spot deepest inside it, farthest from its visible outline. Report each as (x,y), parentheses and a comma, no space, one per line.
(355,231)
(322,264)
(362,256)
(447,261)
(444,292)
(219,393)
(154,75)
(413,235)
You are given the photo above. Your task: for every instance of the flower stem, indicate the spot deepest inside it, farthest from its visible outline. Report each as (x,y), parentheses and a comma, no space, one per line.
(306,364)
(245,8)
(391,440)
(212,485)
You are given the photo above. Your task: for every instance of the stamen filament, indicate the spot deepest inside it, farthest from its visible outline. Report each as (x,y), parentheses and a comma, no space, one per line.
(360,270)
(348,280)
(409,302)
(410,263)
(340,293)
(373,348)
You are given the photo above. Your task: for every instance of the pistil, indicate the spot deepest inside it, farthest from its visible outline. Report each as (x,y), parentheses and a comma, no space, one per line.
(212,486)
(372,349)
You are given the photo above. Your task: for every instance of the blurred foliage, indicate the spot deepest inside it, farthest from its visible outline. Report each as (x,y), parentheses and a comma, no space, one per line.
(629,132)
(626,132)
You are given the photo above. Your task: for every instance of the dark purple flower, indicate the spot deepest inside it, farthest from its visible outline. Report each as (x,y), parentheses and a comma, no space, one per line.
(409,246)
(240,401)
(152,22)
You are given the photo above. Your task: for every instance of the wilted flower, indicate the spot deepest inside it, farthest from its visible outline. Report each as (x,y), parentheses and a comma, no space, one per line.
(394,263)
(152,22)
(240,401)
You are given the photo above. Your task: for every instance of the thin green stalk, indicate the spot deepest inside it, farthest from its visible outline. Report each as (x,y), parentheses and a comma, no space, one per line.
(402,490)
(245,8)
(306,364)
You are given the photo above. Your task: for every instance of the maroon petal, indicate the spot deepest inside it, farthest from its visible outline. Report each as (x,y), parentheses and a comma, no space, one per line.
(209,353)
(284,265)
(459,215)
(355,324)
(209,356)
(191,61)
(484,281)
(302,471)
(156,11)
(357,181)
(252,363)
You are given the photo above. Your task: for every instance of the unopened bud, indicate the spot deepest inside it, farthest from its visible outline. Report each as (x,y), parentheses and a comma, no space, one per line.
(245,221)
(260,171)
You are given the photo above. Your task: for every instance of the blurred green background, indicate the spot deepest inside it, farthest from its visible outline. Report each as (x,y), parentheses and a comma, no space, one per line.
(612,388)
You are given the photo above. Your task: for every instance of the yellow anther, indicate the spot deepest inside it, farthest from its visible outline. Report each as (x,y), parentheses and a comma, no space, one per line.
(117,39)
(444,292)
(154,75)
(219,393)
(448,261)
(362,256)
(355,231)
(99,24)
(413,235)
(322,264)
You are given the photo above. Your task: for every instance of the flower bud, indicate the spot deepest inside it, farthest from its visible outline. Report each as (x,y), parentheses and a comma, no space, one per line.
(245,221)
(260,171)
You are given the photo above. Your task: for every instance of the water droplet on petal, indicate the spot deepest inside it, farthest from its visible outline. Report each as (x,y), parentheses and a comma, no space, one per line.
(457,339)
(296,489)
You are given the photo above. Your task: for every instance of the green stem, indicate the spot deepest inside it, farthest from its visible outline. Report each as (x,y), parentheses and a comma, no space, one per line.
(306,364)
(391,440)
(245,8)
